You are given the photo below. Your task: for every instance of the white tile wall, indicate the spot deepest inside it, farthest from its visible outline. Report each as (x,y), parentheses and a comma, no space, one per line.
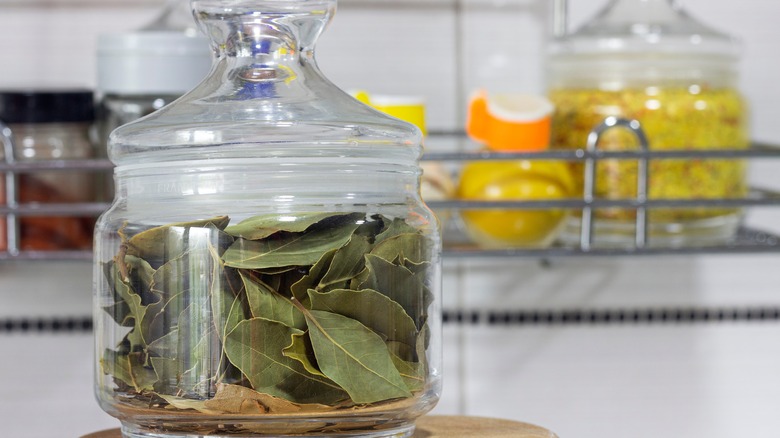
(686,380)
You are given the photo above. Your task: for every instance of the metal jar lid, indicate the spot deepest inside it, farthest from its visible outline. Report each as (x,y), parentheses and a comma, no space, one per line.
(46,106)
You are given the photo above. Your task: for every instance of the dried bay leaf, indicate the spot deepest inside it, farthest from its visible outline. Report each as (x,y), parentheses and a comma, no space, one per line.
(201,326)
(234,399)
(417,268)
(286,281)
(132,309)
(399,284)
(140,274)
(189,404)
(256,348)
(372,309)
(265,302)
(410,246)
(184,358)
(354,357)
(130,369)
(403,351)
(227,298)
(262,226)
(194,274)
(394,228)
(300,289)
(346,263)
(423,341)
(287,250)
(151,244)
(413,373)
(120,309)
(302,351)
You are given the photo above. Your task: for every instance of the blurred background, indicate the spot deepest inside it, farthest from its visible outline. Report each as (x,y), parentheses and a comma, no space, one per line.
(676,344)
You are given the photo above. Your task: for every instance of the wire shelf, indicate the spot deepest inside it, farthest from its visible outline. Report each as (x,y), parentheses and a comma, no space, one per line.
(746,241)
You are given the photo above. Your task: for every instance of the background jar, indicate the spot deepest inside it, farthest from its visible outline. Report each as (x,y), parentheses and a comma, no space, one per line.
(52,125)
(648,60)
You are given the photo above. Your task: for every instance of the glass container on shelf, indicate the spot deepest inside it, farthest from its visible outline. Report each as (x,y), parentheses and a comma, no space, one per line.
(48,125)
(649,60)
(268,267)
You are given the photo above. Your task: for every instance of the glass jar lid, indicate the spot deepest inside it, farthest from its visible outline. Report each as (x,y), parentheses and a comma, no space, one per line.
(659,26)
(265,98)
(643,42)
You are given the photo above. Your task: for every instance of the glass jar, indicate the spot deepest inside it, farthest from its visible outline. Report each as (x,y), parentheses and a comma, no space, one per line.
(268,267)
(650,61)
(51,125)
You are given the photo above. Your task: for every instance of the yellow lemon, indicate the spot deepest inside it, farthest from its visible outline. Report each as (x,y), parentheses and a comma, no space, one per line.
(519,180)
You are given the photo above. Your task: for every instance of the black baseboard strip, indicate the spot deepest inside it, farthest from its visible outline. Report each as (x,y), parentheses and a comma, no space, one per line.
(490,318)
(46,325)
(614,317)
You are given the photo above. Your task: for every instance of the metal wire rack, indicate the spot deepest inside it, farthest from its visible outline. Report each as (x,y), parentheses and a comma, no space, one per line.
(746,240)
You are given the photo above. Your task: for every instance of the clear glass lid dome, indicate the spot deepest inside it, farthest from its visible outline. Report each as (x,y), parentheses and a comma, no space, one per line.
(640,43)
(265,97)
(646,25)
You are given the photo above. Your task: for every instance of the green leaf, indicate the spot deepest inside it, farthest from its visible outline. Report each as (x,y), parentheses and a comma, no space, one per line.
(119,310)
(372,309)
(354,357)
(409,246)
(152,243)
(185,279)
(127,307)
(184,358)
(256,348)
(128,368)
(394,228)
(423,341)
(267,303)
(283,283)
(302,351)
(228,299)
(402,350)
(262,226)
(399,284)
(417,268)
(311,280)
(346,264)
(140,278)
(413,373)
(288,250)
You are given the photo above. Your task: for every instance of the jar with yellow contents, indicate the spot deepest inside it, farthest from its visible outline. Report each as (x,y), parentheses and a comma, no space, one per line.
(648,60)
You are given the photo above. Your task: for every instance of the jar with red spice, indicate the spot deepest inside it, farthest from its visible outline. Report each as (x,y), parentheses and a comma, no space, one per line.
(51,125)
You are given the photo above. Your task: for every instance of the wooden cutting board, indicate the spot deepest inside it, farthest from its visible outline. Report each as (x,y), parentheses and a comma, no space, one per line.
(443,427)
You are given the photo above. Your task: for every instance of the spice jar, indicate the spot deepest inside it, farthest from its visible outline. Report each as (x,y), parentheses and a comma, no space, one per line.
(268,267)
(648,60)
(51,125)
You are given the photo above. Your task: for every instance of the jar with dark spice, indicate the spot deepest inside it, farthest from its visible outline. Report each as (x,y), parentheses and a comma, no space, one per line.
(649,60)
(268,267)
(51,125)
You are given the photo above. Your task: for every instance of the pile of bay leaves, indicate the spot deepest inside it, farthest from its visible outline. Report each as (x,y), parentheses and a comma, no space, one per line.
(275,314)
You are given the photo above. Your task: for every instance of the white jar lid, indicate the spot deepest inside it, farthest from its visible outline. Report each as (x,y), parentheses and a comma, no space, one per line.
(151,62)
